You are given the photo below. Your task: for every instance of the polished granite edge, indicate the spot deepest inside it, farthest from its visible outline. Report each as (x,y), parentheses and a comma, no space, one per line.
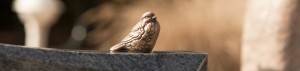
(14,58)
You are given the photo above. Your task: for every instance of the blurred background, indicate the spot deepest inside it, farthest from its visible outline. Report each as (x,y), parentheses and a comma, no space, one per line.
(203,26)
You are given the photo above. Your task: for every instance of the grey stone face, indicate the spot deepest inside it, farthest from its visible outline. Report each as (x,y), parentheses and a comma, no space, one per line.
(19,58)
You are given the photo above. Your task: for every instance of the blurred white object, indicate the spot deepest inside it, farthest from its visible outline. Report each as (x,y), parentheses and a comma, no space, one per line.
(267,36)
(38,17)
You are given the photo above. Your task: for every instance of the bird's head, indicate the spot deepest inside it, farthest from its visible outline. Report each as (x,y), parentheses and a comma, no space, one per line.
(149,16)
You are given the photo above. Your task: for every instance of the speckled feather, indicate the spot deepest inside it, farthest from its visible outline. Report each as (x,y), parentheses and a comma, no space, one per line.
(142,37)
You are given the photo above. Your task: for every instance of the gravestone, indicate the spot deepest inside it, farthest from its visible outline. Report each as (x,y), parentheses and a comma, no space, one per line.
(20,58)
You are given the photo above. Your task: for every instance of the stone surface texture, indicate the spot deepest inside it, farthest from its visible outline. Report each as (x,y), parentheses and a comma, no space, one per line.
(20,58)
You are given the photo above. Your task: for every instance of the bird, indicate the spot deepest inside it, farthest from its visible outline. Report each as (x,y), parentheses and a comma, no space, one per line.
(142,37)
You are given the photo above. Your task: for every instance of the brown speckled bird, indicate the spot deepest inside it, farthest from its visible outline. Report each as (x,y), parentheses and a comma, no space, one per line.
(142,37)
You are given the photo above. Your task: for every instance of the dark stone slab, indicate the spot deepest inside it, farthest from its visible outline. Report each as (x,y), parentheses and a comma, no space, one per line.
(19,58)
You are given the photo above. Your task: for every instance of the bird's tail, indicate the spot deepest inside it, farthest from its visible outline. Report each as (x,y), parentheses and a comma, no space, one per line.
(118,47)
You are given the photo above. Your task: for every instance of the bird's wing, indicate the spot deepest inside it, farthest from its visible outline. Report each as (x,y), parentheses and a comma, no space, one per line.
(136,33)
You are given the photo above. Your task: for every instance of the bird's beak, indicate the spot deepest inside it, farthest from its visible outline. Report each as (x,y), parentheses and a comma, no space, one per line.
(154,17)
